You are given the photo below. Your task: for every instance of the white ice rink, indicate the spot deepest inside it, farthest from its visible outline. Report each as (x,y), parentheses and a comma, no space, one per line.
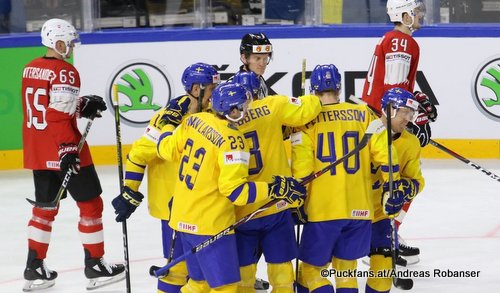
(455,222)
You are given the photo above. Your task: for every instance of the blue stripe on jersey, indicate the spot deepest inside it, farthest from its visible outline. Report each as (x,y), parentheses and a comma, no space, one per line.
(385,168)
(234,195)
(417,186)
(162,136)
(138,165)
(252,192)
(134,176)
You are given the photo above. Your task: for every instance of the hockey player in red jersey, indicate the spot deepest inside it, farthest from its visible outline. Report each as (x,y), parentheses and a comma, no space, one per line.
(51,105)
(394,64)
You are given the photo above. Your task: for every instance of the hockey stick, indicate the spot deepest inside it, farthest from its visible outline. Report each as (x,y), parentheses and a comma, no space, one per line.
(474,165)
(170,252)
(51,205)
(375,126)
(120,184)
(403,284)
(297,237)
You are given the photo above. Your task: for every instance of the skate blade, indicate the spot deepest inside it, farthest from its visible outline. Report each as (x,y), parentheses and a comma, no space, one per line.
(97,283)
(36,285)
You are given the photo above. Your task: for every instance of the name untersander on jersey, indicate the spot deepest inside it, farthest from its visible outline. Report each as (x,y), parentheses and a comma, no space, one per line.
(206,130)
(39,73)
(339,115)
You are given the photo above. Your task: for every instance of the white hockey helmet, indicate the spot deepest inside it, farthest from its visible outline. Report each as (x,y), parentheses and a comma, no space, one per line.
(56,29)
(396,8)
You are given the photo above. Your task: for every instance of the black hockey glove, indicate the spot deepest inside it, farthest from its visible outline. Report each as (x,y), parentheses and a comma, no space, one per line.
(288,189)
(427,106)
(68,158)
(90,105)
(175,110)
(421,131)
(126,203)
(392,204)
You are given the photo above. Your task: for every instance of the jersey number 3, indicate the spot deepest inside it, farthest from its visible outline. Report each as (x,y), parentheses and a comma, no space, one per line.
(189,175)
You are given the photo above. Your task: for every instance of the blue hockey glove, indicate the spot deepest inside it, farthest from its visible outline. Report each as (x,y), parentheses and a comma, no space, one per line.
(392,204)
(175,110)
(126,203)
(288,189)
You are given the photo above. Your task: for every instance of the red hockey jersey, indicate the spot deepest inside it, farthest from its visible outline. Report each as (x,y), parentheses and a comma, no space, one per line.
(50,89)
(394,64)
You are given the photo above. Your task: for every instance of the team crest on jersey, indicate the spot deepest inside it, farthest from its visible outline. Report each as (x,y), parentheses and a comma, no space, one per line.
(143,86)
(295,101)
(485,85)
(236,157)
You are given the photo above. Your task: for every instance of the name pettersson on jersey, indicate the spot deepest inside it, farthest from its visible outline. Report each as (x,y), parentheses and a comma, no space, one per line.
(435,273)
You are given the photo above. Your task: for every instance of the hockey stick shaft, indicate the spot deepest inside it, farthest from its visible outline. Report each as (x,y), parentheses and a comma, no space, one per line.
(374,127)
(64,185)
(120,184)
(297,237)
(436,144)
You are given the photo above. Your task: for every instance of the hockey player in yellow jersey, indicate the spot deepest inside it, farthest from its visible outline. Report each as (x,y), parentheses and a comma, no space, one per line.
(271,231)
(339,205)
(212,179)
(199,80)
(411,182)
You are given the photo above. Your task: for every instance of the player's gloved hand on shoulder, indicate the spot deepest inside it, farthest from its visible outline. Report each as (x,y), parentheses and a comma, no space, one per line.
(288,189)
(392,204)
(175,110)
(299,215)
(421,130)
(68,158)
(126,203)
(427,106)
(91,105)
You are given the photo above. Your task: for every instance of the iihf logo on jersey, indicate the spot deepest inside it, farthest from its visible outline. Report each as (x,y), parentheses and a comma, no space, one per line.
(143,88)
(486,88)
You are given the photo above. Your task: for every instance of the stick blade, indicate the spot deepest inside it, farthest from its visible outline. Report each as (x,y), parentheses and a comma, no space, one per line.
(403,284)
(42,205)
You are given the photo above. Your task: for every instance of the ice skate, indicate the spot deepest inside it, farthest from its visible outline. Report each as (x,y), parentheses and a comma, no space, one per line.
(38,276)
(101,274)
(261,285)
(410,253)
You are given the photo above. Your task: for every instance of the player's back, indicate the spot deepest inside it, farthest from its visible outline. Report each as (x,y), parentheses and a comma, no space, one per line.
(213,163)
(394,64)
(344,192)
(50,88)
(262,128)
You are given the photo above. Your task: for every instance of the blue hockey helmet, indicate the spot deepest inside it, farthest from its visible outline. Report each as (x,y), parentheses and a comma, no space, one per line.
(199,73)
(229,95)
(325,77)
(249,80)
(399,98)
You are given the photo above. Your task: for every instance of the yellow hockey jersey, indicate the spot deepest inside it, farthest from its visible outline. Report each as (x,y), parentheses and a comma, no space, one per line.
(408,151)
(161,174)
(345,191)
(262,128)
(212,174)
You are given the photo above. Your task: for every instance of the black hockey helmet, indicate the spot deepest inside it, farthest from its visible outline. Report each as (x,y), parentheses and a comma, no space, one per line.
(255,44)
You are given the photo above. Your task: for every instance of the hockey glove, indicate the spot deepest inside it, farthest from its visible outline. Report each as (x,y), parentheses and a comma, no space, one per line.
(421,131)
(126,203)
(288,189)
(427,106)
(91,105)
(175,110)
(68,158)
(299,215)
(410,188)
(392,204)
